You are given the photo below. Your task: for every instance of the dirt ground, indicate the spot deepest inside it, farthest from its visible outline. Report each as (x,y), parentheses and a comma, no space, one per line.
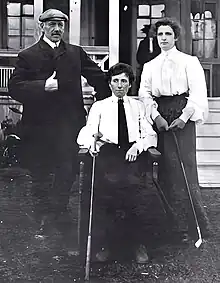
(27,258)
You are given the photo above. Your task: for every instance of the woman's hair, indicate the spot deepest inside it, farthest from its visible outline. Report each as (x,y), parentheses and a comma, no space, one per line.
(173,23)
(118,69)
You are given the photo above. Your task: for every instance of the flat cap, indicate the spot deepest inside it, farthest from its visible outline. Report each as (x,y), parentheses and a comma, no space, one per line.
(53,14)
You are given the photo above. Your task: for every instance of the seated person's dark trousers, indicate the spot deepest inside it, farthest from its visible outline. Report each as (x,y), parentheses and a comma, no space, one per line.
(120,198)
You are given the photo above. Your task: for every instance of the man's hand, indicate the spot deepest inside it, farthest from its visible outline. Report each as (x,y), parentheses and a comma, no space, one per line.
(51,83)
(132,153)
(177,124)
(161,124)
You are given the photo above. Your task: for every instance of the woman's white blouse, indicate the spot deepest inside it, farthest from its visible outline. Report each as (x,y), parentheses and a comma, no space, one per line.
(173,73)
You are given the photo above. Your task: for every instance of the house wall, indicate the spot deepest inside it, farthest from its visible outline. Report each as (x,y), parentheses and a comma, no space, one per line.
(87,36)
(94,30)
(3,23)
(208,147)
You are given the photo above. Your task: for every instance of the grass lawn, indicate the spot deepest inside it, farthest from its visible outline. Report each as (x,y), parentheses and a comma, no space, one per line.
(24,258)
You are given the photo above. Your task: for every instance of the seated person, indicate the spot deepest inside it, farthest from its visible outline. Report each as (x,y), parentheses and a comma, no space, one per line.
(124,135)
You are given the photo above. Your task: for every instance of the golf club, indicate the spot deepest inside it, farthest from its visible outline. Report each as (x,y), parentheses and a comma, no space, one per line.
(82,152)
(89,240)
(154,156)
(199,241)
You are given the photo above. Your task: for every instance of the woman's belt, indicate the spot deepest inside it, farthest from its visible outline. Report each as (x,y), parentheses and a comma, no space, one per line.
(170,107)
(185,94)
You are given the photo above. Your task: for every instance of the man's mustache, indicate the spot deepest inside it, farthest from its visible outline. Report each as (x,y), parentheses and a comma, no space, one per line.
(56,33)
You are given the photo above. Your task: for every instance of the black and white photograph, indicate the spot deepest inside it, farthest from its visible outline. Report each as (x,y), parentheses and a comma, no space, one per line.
(109,141)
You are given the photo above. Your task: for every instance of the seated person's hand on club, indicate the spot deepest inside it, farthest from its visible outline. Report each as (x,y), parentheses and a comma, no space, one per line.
(93,152)
(132,153)
(93,149)
(177,124)
(161,124)
(51,83)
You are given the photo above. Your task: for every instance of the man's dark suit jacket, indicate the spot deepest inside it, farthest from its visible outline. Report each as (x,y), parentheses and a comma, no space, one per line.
(60,114)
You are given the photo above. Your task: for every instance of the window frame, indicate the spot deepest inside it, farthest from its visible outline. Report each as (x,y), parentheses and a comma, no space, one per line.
(217,38)
(22,16)
(149,17)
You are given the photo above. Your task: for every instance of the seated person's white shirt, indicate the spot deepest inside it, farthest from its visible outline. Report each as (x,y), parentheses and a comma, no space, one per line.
(103,118)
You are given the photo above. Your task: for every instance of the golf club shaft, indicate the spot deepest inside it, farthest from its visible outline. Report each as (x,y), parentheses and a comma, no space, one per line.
(187,184)
(165,204)
(88,251)
(81,181)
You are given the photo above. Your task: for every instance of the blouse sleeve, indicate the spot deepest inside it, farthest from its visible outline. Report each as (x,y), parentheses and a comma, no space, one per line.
(148,136)
(145,92)
(197,106)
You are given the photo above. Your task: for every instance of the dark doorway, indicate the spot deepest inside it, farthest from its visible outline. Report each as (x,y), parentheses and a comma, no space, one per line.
(101,22)
(125,29)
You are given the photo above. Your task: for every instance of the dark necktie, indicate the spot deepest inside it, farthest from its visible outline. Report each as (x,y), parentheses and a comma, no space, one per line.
(56,52)
(56,49)
(122,125)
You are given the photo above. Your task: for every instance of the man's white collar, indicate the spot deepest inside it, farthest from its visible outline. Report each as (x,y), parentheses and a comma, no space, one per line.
(51,43)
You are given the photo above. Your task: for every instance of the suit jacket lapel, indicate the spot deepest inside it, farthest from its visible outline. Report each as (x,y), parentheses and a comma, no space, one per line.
(47,49)
(60,50)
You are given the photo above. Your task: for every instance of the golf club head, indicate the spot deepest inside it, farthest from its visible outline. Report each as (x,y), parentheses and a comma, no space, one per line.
(198,243)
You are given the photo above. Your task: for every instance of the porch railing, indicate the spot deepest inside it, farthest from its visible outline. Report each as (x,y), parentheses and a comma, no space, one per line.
(5,73)
(99,54)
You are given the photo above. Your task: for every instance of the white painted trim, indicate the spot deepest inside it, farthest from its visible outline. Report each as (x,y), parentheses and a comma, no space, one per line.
(113,32)
(74,21)
(38,9)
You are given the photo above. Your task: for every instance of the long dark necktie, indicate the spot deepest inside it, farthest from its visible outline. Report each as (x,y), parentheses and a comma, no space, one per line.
(56,50)
(56,53)
(122,125)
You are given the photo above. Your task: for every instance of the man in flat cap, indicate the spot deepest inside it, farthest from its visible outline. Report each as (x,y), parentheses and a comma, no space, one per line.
(47,81)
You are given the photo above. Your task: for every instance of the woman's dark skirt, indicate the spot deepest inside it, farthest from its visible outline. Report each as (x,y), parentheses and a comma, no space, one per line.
(170,172)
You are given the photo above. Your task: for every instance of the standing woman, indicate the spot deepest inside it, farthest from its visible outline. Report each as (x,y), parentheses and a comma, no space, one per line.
(174,91)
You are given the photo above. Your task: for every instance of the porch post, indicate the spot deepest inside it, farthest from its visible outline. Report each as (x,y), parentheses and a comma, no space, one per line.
(74,21)
(38,9)
(3,25)
(186,40)
(180,9)
(113,32)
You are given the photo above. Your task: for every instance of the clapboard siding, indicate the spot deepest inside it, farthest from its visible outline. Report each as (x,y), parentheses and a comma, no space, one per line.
(211,143)
(214,103)
(208,130)
(208,156)
(208,147)
(214,116)
(209,175)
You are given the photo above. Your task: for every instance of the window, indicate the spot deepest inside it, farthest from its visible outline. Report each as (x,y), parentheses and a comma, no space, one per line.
(21,24)
(147,15)
(204,30)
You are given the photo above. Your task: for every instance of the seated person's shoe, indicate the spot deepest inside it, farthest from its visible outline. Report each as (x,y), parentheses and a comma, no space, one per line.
(142,255)
(102,255)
